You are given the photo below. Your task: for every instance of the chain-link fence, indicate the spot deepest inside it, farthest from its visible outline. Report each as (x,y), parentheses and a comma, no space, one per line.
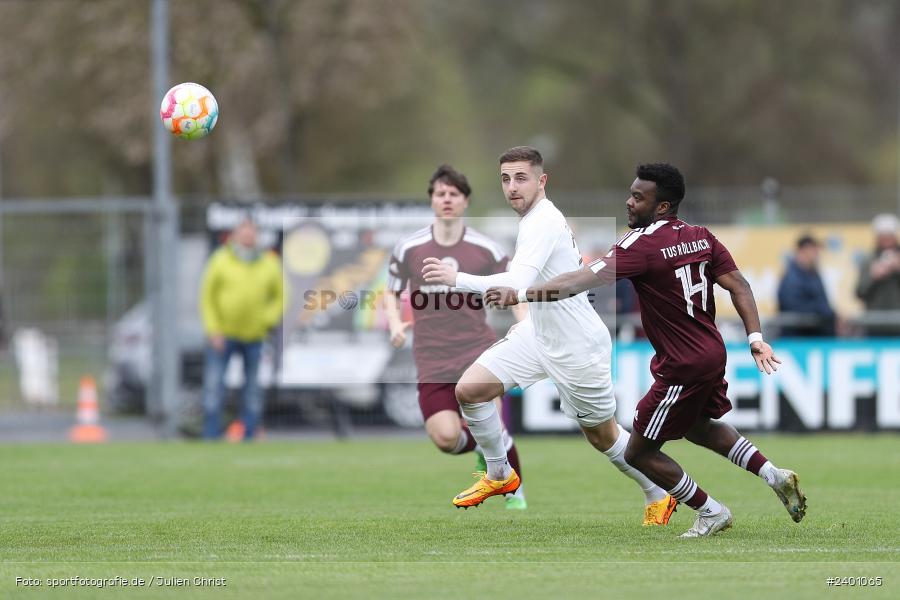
(766,204)
(69,271)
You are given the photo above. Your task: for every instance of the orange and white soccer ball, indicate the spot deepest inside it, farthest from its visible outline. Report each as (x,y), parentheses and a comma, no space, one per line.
(189,111)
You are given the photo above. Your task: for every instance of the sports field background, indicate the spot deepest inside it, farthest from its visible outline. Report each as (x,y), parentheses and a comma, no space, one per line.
(369,518)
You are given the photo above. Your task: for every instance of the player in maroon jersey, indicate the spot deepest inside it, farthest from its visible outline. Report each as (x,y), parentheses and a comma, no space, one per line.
(449,328)
(673,266)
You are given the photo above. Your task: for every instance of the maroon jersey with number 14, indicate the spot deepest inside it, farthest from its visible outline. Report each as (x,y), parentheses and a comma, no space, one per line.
(673,266)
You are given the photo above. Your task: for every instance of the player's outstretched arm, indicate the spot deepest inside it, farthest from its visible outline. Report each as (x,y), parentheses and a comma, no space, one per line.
(559,288)
(745,304)
(518,276)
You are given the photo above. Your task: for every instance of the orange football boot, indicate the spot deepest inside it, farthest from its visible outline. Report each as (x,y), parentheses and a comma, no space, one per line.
(484,488)
(658,513)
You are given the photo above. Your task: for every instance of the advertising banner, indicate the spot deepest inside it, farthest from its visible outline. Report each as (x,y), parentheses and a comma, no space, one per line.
(761,254)
(821,385)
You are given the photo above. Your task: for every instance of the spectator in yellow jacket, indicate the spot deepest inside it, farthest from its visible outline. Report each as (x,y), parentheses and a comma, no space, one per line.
(241,300)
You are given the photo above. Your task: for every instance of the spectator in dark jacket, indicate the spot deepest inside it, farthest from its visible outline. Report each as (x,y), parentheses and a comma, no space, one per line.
(801,294)
(879,277)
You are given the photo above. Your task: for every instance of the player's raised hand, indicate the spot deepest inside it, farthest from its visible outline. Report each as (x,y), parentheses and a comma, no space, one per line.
(501,297)
(765,358)
(436,271)
(398,333)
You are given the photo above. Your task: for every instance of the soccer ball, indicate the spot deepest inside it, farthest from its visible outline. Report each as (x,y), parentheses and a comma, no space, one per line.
(189,111)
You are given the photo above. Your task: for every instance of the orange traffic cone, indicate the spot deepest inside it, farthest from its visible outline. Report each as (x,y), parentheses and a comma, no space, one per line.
(235,431)
(87,428)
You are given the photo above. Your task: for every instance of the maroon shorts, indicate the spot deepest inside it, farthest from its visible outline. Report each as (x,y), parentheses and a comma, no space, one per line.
(668,411)
(435,397)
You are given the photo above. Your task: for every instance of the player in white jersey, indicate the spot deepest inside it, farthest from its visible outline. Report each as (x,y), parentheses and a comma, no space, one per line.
(565,341)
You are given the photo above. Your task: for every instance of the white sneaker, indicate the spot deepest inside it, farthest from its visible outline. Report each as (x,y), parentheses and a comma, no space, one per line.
(787,488)
(707,525)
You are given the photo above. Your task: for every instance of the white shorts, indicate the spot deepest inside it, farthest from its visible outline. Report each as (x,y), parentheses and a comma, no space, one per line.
(584,380)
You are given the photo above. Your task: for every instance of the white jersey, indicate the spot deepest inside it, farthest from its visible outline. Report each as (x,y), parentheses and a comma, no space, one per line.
(545,242)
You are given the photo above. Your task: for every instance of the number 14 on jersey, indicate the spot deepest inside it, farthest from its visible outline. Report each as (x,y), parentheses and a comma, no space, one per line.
(690,289)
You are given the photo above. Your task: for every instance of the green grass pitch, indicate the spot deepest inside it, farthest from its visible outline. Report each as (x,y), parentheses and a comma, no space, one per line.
(372,519)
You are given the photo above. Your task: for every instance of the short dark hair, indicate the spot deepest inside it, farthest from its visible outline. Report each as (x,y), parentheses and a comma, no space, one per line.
(669,182)
(523,153)
(450,176)
(807,240)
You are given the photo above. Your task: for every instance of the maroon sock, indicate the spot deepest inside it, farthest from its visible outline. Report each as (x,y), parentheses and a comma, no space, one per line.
(697,500)
(470,441)
(756,462)
(512,455)
(745,455)
(688,492)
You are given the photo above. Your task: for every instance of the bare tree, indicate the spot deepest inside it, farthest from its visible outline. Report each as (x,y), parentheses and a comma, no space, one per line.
(77,72)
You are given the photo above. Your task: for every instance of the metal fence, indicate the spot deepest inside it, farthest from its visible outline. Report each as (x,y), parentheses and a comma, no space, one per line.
(69,269)
(765,204)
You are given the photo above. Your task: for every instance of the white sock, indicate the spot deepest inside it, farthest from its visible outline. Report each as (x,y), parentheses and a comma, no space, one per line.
(616,455)
(498,469)
(487,429)
(507,440)
(769,473)
(710,507)
(520,493)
